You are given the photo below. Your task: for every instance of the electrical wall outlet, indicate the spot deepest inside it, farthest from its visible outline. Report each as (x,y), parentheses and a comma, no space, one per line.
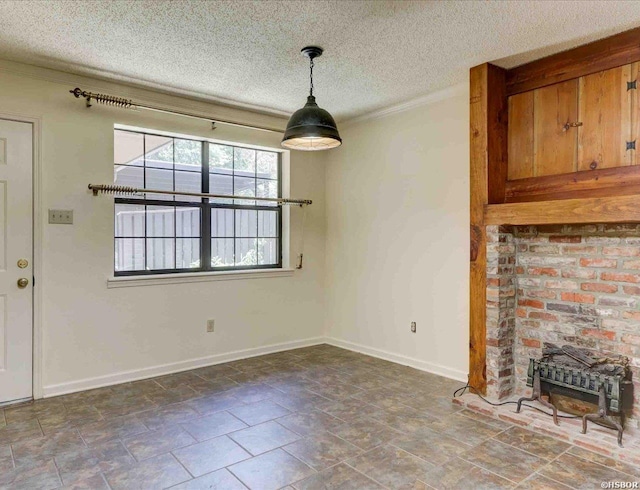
(413,327)
(60,216)
(210,325)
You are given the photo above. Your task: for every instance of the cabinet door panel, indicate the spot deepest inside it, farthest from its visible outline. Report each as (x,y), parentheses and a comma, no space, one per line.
(605,113)
(520,137)
(555,148)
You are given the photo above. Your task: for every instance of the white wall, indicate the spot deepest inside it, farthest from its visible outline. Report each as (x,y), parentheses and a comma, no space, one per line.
(394,224)
(94,335)
(398,235)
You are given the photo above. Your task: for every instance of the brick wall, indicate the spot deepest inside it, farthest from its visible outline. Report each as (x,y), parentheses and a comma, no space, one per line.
(501,307)
(575,284)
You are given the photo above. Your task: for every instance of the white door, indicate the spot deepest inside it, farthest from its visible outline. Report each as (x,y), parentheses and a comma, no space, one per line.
(16,260)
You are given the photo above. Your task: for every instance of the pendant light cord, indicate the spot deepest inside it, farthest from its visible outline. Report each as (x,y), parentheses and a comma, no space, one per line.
(311,75)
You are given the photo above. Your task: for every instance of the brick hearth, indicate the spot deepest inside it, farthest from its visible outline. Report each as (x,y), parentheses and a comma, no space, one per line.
(597,439)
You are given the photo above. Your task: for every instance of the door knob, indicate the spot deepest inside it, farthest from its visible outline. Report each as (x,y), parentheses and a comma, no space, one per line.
(23,282)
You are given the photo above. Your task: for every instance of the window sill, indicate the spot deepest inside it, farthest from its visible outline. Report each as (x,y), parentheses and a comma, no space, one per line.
(158,280)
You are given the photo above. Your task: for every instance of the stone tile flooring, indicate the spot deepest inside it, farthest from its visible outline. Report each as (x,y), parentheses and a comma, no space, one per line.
(601,440)
(313,418)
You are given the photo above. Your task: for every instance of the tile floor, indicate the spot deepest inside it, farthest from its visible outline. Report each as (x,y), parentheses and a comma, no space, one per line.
(601,440)
(313,418)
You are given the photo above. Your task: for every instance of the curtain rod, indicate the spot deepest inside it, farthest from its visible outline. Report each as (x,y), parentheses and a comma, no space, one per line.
(123,103)
(120,189)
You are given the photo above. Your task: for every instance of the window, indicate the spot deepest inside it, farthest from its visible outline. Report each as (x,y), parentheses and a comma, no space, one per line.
(163,233)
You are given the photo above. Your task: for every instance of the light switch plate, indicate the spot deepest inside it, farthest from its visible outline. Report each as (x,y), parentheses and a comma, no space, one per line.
(60,216)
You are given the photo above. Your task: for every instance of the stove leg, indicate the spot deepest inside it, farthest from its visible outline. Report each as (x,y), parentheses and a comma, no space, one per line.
(619,428)
(525,399)
(603,420)
(602,417)
(553,409)
(536,395)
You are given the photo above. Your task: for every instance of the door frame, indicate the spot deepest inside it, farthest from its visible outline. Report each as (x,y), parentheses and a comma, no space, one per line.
(36,134)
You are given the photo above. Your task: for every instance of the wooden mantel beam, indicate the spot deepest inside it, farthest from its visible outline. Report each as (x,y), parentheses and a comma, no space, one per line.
(619,209)
(606,182)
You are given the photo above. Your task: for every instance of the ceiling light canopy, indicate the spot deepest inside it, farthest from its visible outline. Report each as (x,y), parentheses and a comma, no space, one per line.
(311,128)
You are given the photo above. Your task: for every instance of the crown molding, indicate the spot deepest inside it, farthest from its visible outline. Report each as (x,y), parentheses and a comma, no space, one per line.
(115,77)
(174,98)
(150,93)
(433,97)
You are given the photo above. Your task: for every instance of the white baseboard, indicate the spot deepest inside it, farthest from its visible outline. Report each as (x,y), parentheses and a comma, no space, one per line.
(175,367)
(429,367)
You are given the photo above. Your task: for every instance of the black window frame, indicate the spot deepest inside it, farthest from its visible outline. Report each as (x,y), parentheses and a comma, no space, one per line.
(205,211)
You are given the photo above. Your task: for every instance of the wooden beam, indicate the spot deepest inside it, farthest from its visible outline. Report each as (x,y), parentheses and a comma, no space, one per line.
(607,182)
(620,209)
(478,245)
(488,175)
(497,121)
(610,52)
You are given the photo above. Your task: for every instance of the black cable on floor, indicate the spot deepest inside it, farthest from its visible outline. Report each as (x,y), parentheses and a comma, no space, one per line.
(477,392)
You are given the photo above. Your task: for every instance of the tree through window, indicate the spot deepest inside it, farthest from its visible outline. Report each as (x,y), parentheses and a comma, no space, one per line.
(163,233)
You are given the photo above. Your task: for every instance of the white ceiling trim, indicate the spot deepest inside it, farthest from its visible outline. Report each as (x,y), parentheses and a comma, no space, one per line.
(143,94)
(61,76)
(246,54)
(176,91)
(92,83)
(437,96)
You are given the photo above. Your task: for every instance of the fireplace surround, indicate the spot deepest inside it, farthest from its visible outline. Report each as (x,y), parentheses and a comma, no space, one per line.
(573,285)
(554,212)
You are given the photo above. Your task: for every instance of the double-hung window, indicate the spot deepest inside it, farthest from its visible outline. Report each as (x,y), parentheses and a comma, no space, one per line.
(165,233)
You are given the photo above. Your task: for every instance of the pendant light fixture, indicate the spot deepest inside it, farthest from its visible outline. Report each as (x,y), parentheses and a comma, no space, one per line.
(311,128)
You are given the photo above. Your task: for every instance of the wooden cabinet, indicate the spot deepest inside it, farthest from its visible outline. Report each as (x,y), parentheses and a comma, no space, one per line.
(555,144)
(520,136)
(605,114)
(578,125)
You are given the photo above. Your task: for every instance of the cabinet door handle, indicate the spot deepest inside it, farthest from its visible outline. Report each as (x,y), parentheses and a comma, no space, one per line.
(570,125)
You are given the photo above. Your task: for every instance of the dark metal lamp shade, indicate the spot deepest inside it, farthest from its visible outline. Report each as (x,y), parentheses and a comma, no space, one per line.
(311,129)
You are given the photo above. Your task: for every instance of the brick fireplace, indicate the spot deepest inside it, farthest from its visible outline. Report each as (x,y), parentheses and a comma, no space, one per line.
(550,146)
(565,284)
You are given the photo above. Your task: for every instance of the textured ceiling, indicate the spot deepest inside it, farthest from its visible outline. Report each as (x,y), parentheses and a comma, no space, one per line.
(377,53)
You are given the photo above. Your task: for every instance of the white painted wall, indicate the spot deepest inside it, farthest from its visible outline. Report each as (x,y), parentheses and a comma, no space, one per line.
(398,235)
(394,225)
(94,335)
